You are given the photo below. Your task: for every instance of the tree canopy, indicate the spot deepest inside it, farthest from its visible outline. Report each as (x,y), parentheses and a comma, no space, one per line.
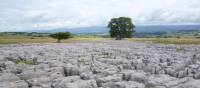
(121,27)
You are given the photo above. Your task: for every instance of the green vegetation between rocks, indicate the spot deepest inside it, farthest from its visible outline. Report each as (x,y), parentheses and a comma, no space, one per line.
(28,62)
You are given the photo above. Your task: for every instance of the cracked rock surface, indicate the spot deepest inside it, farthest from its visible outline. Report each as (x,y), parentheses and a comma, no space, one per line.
(108,64)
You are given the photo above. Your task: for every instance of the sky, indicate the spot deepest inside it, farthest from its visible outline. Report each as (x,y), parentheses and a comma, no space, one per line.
(16,15)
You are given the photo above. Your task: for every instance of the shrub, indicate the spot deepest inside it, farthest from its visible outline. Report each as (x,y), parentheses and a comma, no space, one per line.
(29,62)
(60,36)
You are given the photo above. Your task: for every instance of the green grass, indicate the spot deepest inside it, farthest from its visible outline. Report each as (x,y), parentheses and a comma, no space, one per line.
(167,40)
(31,62)
(26,39)
(21,40)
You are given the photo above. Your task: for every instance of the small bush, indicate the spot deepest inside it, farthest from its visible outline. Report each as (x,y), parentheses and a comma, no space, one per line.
(60,36)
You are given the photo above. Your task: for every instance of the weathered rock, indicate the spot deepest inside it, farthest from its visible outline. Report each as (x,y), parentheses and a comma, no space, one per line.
(190,84)
(112,78)
(139,76)
(61,82)
(117,64)
(159,80)
(56,72)
(8,77)
(66,83)
(14,84)
(31,74)
(197,75)
(12,67)
(71,70)
(86,76)
(176,82)
(40,82)
(124,84)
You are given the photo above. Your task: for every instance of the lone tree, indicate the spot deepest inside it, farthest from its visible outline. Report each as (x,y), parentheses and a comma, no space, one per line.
(121,27)
(60,36)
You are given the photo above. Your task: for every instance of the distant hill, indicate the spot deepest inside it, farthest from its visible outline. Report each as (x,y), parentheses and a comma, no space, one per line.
(139,29)
(165,28)
(81,30)
(146,31)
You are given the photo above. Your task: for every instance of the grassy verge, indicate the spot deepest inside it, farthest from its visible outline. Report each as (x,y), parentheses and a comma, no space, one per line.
(48,40)
(167,40)
(25,39)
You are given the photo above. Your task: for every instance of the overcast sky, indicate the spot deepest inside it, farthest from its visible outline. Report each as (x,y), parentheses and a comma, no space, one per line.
(49,14)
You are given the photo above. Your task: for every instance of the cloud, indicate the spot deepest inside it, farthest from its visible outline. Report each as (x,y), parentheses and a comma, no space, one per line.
(48,14)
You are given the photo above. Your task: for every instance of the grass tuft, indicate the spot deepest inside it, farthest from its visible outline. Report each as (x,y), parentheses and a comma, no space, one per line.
(31,62)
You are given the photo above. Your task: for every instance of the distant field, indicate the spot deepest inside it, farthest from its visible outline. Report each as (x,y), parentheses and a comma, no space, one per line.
(167,40)
(47,40)
(27,39)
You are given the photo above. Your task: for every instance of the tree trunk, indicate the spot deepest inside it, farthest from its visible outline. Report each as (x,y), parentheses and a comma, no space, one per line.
(58,41)
(118,37)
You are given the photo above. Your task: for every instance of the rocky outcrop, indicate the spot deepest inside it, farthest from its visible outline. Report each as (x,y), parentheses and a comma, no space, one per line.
(110,64)
(9,80)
